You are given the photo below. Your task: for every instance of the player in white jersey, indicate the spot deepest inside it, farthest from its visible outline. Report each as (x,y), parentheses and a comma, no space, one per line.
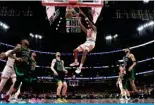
(8,72)
(87,46)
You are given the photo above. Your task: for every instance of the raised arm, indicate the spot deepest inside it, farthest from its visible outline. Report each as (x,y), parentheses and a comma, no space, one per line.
(82,27)
(90,23)
(16,49)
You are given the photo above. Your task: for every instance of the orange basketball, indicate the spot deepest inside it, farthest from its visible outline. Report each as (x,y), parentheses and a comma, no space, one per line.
(69,15)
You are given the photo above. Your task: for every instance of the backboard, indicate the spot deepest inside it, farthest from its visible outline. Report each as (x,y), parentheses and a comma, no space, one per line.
(73,3)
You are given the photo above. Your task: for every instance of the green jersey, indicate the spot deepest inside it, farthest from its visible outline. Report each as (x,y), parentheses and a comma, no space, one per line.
(25,54)
(58,66)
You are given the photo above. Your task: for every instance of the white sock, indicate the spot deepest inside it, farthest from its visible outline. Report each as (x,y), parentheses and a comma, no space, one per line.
(76,60)
(81,65)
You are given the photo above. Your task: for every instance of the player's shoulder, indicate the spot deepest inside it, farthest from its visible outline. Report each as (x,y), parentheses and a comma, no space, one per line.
(62,61)
(54,60)
(131,55)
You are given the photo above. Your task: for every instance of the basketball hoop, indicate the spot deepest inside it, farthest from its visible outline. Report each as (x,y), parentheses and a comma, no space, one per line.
(73,2)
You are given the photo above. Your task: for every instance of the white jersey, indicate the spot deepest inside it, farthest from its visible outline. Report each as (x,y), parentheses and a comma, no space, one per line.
(8,71)
(10,61)
(91,35)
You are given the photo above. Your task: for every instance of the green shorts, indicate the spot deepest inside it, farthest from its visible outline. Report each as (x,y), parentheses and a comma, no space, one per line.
(126,84)
(131,74)
(60,77)
(21,70)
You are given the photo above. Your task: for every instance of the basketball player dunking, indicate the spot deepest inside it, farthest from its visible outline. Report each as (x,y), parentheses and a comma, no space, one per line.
(87,46)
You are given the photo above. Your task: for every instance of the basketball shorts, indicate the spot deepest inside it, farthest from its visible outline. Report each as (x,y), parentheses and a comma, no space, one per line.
(88,45)
(8,72)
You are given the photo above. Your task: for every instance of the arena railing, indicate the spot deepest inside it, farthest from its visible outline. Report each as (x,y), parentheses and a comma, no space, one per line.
(96,53)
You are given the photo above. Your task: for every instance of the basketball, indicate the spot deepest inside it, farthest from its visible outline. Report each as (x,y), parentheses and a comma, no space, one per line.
(69,13)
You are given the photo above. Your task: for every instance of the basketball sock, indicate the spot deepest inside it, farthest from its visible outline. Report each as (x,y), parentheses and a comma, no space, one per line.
(76,60)
(81,65)
(58,96)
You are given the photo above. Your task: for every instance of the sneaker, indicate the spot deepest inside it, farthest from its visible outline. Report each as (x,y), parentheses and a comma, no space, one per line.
(59,100)
(13,100)
(128,98)
(64,100)
(74,64)
(121,98)
(21,102)
(78,71)
(7,98)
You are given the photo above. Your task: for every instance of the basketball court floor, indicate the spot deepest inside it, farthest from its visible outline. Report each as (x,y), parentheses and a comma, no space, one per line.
(95,101)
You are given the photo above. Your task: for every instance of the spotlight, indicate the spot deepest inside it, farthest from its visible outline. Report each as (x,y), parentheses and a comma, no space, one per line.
(31,35)
(40,37)
(4,26)
(116,35)
(109,37)
(58,25)
(56,28)
(36,36)
(59,21)
(60,18)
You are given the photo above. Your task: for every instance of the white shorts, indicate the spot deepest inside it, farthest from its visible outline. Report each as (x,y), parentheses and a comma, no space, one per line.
(8,72)
(88,45)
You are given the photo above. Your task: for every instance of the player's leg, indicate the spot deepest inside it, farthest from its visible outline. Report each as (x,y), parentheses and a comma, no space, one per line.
(58,93)
(122,90)
(64,91)
(87,47)
(11,88)
(3,82)
(76,51)
(5,76)
(132,80)
(18,91)
(19,78)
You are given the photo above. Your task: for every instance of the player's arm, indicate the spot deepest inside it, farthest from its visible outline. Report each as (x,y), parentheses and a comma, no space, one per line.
(90,23)
(9,54)
(82,26)
(133,60)
(15,50)
(63,67)
(52,66)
